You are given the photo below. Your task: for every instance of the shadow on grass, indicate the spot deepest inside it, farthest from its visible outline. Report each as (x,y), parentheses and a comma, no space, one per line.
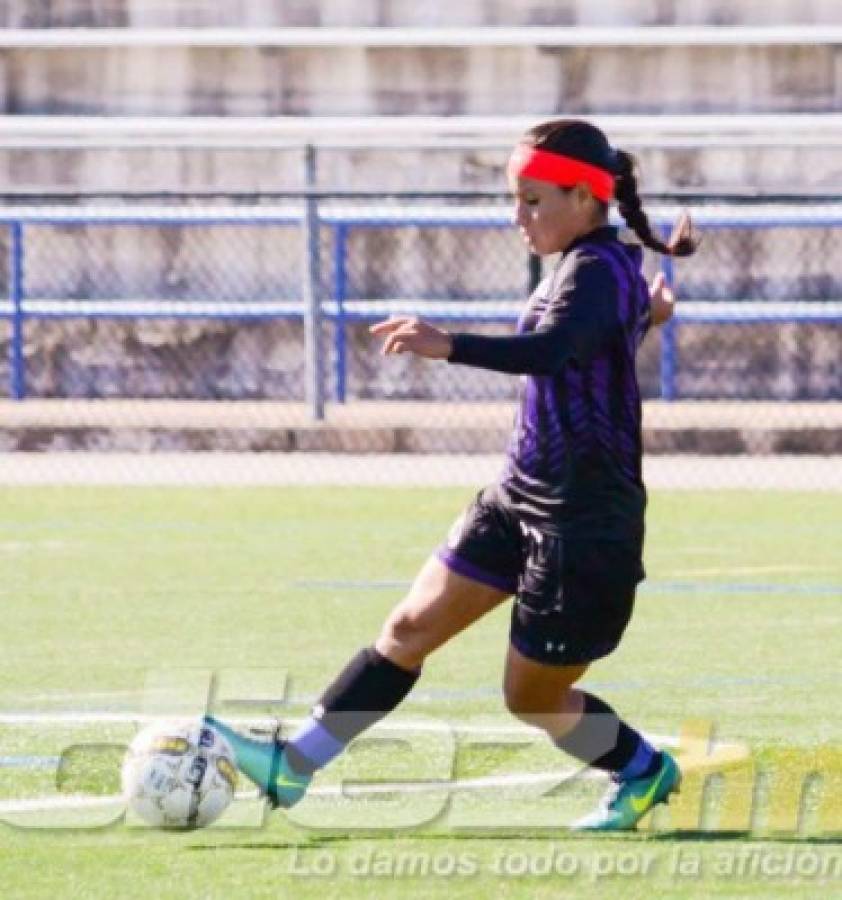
(747,837)
(743,837)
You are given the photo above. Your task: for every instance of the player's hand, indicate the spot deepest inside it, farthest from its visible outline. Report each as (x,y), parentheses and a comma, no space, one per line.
(662,300)
(410,335)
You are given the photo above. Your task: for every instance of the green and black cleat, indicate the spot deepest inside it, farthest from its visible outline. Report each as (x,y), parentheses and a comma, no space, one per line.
(627,802)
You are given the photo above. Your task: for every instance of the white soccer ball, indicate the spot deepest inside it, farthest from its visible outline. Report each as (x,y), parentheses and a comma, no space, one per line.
(179,775)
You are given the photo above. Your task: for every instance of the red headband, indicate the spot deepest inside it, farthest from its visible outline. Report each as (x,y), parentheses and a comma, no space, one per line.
(527,162)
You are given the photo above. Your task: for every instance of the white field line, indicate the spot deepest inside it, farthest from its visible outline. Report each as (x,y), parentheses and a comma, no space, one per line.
(338,791)
(79,719)
(131,693)
(17,547)
(29,762)
(45,804)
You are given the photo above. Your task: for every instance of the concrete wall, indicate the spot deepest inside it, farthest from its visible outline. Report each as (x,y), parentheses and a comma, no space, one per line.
(200,13)
(217,360)
(146,261)
(414,81)
(776,169)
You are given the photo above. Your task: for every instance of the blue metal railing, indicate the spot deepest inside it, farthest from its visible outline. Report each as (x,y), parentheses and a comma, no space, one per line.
(338,308)
(17,387)
(340,290)
(669,335)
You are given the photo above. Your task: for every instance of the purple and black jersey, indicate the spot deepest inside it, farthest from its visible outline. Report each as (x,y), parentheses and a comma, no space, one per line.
(574,462)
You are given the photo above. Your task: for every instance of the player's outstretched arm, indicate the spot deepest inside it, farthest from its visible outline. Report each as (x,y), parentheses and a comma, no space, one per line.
(541,352)
(410,335)
(662,300)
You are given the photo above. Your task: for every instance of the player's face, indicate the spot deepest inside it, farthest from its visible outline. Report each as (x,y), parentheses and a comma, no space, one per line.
(549,217)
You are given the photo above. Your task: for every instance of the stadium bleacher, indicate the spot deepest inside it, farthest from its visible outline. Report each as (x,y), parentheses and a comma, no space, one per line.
(97,106)
(278,13)
(441,71)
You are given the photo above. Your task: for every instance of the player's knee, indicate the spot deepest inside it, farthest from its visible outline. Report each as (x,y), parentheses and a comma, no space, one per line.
(540,706)
(519,700)
(402,638)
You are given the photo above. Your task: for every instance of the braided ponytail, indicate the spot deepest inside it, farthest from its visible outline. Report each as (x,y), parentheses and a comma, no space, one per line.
(682,242)
(585,142)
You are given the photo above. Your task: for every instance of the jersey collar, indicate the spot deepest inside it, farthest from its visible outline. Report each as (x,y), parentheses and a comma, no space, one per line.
(598,235)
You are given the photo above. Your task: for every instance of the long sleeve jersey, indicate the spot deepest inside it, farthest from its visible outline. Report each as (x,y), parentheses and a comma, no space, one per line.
(574,461)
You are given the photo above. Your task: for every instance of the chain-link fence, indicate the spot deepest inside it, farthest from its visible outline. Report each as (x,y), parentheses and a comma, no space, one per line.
(215,303)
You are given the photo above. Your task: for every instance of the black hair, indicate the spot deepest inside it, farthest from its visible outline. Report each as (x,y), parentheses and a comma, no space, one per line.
(585,142)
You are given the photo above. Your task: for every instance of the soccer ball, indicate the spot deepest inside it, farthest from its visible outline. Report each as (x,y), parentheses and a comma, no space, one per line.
(179,775)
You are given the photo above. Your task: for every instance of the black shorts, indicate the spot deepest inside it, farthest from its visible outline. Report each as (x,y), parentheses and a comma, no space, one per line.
(574,598)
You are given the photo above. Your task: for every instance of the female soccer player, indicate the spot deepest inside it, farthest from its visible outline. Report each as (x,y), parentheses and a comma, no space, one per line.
(562,528)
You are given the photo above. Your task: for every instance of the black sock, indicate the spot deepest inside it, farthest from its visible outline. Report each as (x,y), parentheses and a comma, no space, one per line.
(603,740)
(368,688)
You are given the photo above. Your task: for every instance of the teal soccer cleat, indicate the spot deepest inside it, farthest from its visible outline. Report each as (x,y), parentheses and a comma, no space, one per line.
(627,802)
(265,763)
(287,786)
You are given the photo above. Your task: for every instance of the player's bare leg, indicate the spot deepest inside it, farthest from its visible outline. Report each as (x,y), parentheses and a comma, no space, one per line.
(439,605)
(589,730)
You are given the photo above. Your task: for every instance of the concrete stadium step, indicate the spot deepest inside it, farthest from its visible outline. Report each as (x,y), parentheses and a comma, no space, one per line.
(377,130)
(247,154)
(123,426)
(209,359)
(73,167)
(206,13)
(425,37)
(463,79)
